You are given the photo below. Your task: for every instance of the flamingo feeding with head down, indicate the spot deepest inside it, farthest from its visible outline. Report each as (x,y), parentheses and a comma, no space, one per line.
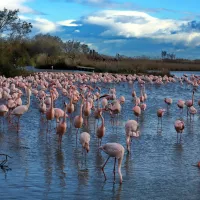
(85,141)
(115,150)
(131,127)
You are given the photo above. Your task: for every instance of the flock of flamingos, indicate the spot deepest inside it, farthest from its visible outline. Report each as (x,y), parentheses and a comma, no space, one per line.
(82,92)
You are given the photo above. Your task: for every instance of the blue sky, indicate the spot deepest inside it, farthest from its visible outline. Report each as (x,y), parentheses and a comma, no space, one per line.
(132,28)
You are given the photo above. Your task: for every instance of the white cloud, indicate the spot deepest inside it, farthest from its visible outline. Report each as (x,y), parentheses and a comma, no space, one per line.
(115,41)
(68,22)
(44,25)
(142,25)
(16,4)
(77,31)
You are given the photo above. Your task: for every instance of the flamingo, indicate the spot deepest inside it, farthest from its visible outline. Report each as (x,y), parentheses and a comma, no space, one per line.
(131,127)
(115,150)
(137,111)
(190,103)
(50,113)
(192,111)
(160,113)
(62,126)
(78,120)
(85,140)
(168,101)
(70,106)
(20,110)
(101,130)
(181,105)
(3,110)
(179,127)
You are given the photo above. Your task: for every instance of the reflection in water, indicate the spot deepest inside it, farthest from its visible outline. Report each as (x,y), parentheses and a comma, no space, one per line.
(60,166)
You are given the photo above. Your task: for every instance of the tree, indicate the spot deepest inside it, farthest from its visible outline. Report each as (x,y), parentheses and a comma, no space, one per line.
(11,25)
(163,54)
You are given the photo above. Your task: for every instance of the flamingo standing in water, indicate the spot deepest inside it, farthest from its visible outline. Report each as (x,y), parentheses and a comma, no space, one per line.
(85,141)
(137,111)
(181,105)
(190,103)
(20,110)
(168,101)
(70,106)
(115,150)
(78,120)
(192,111)
(101,130)
(3,111)
(131,127)
(50,113)
(179,127)
(62,126)
(160,113)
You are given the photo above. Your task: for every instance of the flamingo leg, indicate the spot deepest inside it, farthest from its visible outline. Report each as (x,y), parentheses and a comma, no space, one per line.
(76,135)
(114,169)
(102,168)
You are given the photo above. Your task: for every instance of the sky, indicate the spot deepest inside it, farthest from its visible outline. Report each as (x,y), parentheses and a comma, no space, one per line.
(129,27)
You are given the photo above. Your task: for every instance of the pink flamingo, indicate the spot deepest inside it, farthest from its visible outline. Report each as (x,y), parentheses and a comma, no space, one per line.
(179,127)
(50,113)
(190,103)
(168,101)
(192,111)
(115,150)
(137,111)
(62,126)
(3,111)
(20,110)
(160,113)
(85,141)
(78,120)
(131,127)
(181,104)
(101,130)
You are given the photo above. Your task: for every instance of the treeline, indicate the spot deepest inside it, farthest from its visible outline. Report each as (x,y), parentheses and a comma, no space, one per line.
(43,51)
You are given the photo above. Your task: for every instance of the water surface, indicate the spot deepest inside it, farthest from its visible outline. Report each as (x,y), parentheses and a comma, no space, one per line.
(157,168)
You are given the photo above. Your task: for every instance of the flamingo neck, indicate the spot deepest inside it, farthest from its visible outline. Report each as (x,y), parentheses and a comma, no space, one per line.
(102,119)
(64,117)
(51,101)
(28,103)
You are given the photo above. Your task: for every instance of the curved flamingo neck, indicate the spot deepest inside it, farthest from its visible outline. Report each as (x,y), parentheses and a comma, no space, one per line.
(64,117)
(102,119)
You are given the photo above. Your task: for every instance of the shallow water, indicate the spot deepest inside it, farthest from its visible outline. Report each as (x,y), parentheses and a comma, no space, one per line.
(157,168)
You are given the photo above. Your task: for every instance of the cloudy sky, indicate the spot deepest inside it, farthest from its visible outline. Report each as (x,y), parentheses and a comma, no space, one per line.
(130,27)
